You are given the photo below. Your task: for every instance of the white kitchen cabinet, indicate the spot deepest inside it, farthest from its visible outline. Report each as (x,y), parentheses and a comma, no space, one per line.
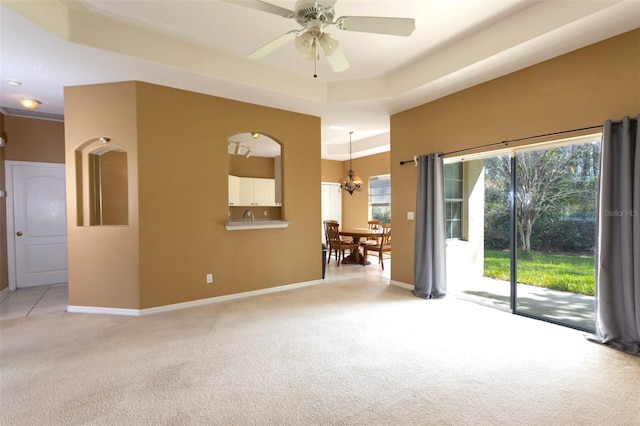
(234,190)
(257,192)
(265,192)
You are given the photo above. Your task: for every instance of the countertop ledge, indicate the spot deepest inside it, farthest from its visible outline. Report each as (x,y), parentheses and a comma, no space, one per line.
(258,224)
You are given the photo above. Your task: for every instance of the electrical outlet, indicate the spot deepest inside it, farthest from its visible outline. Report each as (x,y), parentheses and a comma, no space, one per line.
(265,213)
(209,278)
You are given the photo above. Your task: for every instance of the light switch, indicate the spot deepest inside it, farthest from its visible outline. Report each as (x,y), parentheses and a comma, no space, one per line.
(409,215)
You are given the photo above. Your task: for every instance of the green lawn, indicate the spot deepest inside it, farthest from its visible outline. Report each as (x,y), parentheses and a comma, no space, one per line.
(556,271)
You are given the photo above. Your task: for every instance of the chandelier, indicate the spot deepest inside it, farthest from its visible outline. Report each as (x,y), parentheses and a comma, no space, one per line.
(352,182)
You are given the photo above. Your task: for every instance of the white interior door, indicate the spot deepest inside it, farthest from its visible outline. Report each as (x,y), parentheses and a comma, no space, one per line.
(331,204)
(39,224)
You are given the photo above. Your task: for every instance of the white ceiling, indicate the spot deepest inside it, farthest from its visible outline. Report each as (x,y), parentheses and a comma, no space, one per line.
(201,46)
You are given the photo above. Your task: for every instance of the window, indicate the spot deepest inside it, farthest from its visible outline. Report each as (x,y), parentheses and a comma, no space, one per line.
(380,198)
(453,199)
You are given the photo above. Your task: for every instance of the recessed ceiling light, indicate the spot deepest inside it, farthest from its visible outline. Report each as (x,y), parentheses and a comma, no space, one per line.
(30,103)
(14,83)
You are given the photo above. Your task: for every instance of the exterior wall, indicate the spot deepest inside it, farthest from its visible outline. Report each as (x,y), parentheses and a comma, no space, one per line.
(579,89)
(178,199)
(469,251)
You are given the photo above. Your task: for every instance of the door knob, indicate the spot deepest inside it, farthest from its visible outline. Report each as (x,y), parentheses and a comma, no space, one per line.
(19,233)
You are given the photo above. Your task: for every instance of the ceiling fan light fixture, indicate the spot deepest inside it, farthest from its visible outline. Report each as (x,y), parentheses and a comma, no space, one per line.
(316,15)
(304,43)
(329,44)
(311,57)
(30,103)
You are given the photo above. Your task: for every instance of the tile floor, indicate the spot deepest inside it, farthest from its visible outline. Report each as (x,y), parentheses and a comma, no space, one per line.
(30,301)
(55,298)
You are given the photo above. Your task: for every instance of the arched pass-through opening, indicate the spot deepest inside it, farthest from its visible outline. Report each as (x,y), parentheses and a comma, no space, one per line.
(255,177)
(102,183)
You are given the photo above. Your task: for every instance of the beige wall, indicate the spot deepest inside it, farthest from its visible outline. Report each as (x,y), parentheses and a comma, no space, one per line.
(331,170)
(178,197)
(30,139)
(27,139)
(258,167)
(103,260)
(579,89)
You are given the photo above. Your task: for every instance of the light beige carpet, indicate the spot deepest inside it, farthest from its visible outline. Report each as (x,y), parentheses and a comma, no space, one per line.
(354,352)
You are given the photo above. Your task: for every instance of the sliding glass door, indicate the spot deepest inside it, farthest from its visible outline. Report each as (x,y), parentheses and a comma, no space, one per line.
(521,230)
(555,204)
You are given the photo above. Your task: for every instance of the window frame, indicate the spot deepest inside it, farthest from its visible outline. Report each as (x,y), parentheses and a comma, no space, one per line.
(373,205)
(451,201)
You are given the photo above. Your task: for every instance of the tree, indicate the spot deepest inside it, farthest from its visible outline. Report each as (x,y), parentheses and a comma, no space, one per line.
(546,180)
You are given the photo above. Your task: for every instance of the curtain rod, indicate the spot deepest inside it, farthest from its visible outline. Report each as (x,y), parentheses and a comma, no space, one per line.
(402,163)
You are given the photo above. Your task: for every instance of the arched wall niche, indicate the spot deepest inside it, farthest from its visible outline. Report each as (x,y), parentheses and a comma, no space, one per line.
(255,156)
(102,183)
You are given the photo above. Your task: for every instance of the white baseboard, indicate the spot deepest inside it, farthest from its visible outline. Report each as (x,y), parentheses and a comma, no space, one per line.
(104,311)
(190,304)
(401,285)
(4,293)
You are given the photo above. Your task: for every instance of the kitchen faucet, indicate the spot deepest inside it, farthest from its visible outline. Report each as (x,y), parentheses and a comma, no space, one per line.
(249,213)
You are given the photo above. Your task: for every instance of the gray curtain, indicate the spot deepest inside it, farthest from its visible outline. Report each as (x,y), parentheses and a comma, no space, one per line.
(429,262)
(618,247)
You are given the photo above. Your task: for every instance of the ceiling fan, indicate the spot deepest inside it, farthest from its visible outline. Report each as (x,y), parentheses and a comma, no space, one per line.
(314,17)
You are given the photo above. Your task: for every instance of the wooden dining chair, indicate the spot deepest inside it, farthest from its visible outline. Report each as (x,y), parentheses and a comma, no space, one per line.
(336,244)
(325,229)
(383,246)
(373,226)
(326,237)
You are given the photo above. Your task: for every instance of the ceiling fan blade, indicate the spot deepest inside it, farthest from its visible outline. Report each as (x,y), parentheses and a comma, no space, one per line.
(337,60)
(379,25)
(264,7)
(273,45)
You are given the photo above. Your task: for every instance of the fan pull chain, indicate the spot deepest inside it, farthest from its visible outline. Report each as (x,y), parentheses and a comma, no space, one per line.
(315,57)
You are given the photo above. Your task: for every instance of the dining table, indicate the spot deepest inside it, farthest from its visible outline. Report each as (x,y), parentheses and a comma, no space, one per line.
(356,235)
